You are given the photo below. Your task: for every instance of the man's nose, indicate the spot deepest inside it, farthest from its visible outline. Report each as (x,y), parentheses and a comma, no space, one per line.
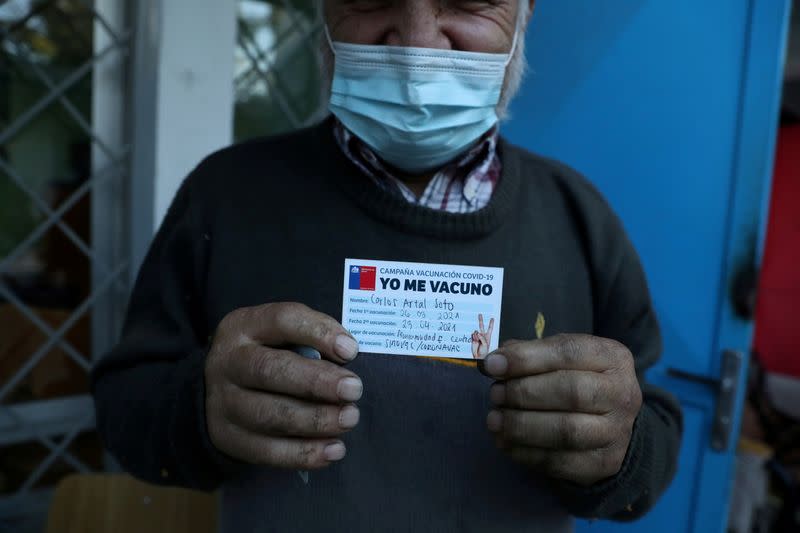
(417,25)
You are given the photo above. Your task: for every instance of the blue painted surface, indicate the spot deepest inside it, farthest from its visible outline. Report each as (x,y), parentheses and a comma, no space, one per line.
(671,109)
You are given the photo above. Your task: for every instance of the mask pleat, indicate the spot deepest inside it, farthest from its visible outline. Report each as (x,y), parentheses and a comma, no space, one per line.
(416,108)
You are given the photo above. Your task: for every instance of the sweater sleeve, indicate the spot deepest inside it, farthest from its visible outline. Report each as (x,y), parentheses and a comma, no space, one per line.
(149,390)
(624,312)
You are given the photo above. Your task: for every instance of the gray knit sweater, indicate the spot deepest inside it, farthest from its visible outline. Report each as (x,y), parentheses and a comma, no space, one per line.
(273,220)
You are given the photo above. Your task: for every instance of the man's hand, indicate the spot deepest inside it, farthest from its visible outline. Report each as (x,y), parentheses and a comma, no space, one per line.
(270,406)
(565,405)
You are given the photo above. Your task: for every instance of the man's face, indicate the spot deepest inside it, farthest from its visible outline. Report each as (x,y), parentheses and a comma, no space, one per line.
(468,25)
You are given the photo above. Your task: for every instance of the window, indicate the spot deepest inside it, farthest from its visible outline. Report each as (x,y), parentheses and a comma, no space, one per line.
(63,170)
(278,82)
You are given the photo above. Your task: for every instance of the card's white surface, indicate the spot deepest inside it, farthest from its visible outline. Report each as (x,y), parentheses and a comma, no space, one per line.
(422,309)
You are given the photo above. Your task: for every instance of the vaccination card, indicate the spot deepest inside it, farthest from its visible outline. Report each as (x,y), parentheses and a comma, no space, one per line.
(422,309)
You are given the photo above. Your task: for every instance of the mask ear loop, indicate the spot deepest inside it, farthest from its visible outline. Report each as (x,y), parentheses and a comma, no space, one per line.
(328,37)
(520,22)
(513,48)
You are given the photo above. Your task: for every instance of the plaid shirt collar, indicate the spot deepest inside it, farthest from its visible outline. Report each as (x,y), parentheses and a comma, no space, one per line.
(462,186)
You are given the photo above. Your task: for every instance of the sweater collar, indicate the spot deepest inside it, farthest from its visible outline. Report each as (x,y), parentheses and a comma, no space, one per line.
(463,185)
(391,209)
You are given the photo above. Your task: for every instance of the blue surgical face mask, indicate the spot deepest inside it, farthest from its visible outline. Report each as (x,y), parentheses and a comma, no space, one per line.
(417,108)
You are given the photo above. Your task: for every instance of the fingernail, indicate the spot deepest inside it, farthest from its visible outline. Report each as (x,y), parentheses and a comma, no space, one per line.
(350,389)
(334,452)
(496,364)
(497,394)
(348,417)
(494,421)
(346,347)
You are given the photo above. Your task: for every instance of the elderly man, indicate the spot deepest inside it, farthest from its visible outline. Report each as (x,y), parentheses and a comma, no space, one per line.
(207,389)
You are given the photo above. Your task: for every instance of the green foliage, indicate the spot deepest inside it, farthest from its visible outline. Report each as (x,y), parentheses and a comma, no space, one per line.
(57,32)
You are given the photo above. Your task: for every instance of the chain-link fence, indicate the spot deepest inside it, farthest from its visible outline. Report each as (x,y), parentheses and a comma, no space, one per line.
(278,78)
(64,181)
(63,172)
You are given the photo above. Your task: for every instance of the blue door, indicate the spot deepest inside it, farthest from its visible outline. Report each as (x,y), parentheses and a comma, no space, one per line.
(671,108)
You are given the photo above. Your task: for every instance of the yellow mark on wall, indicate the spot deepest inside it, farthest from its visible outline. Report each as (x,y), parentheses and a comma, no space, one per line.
(540,326)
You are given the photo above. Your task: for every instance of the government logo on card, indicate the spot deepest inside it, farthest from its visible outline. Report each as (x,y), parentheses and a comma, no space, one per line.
(362,278)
